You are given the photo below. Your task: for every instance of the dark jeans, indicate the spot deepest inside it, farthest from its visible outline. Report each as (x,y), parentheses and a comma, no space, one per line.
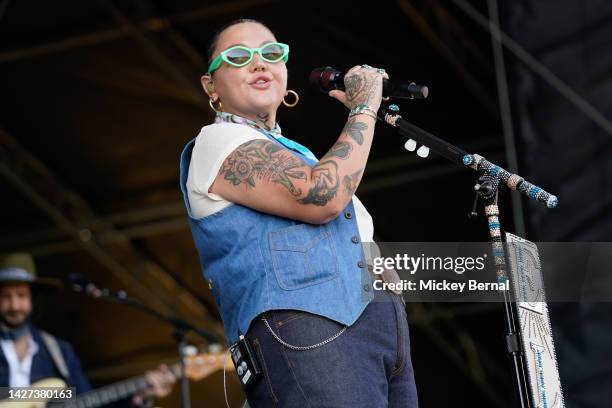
(368,366)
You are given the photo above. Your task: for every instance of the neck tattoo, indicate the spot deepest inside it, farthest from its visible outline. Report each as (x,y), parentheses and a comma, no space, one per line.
(263,118)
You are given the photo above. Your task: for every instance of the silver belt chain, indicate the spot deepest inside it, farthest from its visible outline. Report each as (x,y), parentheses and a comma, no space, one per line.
(302,348)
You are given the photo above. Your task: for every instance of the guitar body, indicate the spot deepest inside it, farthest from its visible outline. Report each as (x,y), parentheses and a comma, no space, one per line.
(196,368)
(44,383)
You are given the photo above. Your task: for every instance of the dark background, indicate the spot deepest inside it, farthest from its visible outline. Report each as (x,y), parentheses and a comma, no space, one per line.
(99,97)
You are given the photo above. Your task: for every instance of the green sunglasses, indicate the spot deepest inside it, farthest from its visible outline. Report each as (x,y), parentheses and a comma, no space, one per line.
(239,55)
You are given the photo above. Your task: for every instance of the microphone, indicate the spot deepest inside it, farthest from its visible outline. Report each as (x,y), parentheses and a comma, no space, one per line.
(328,78)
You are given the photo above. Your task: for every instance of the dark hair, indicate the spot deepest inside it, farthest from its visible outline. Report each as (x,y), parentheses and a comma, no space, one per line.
(217,35)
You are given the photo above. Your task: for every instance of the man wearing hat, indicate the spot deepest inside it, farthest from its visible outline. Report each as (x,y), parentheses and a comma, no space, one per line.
(28,354)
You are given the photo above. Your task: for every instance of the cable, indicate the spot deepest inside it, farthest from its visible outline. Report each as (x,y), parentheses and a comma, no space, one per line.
(224,383)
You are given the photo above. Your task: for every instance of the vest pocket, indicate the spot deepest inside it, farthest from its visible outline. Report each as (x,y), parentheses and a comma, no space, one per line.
(302,255)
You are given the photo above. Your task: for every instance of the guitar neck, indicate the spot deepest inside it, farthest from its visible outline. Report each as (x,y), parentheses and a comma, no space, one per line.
(113,392)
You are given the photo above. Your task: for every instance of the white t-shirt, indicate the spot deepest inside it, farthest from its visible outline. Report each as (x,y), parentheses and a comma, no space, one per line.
(212,146)
(19,370)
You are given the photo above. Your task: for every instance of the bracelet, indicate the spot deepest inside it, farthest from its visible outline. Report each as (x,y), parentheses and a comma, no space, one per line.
(363,109)
(367,113)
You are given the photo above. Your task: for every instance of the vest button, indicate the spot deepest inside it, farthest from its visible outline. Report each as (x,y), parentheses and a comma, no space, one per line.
(361,264)
(366,287)
(210,284)
(348,215)
(355,239)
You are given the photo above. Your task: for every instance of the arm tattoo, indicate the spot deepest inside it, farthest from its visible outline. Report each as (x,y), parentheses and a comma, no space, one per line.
(258,160)
(326,183)
(341,150)
(350,182)
(354,129)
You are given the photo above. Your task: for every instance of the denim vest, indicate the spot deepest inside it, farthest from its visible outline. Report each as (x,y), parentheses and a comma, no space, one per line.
(255,262)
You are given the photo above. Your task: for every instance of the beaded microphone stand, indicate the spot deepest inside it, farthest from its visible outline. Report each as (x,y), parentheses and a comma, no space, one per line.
(491,177)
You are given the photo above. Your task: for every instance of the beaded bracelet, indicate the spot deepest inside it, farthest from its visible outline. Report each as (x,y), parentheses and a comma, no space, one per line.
(363,109)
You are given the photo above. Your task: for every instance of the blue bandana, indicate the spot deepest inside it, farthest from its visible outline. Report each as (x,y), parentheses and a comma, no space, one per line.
(275,132)
(14,334)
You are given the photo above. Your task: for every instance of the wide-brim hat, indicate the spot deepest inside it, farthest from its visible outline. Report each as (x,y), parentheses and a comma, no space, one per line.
(19,268)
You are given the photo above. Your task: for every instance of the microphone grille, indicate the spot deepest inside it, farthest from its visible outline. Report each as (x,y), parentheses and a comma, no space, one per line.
(323,78)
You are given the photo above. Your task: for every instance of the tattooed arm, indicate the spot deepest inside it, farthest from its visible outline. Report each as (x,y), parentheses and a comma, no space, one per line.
(264,176)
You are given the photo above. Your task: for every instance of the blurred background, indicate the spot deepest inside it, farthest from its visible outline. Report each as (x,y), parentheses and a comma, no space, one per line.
(99,97)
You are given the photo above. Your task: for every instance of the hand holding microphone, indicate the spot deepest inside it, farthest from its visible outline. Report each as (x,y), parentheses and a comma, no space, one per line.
(332,81)
(328,78)
(361,87)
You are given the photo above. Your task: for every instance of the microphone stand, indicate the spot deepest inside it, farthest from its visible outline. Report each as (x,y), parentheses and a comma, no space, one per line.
(491,177)
(181,328)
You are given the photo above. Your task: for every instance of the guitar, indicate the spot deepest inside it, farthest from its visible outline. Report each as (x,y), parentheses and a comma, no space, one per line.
(196,368)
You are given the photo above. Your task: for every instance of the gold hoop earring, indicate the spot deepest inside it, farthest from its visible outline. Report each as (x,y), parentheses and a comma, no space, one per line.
(297,98)
(212,106)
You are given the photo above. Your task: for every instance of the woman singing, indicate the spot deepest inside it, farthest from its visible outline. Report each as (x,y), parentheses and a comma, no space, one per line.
(280,235)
